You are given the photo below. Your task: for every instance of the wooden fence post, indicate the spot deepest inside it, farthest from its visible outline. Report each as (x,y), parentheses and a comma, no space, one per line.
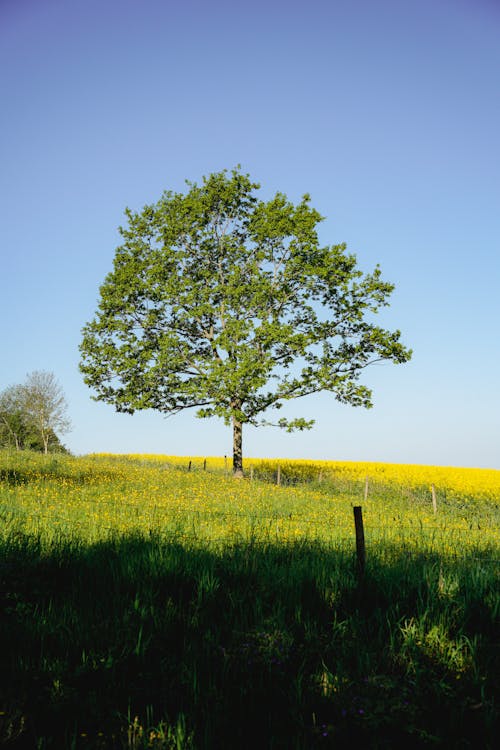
(434,499)
(360,538)
(251,473)
(366,489)
(278,475)
(225,464)
(189,466)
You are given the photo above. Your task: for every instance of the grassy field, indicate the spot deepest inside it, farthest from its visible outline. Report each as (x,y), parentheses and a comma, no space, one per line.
(153,601)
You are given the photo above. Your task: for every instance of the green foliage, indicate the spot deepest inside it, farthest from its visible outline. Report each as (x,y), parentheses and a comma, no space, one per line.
(15,428)
(228,304)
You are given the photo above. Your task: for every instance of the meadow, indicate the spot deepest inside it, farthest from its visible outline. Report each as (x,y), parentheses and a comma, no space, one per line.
(154,601)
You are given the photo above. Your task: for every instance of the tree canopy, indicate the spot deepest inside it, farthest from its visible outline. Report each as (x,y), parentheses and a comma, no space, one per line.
(228,304)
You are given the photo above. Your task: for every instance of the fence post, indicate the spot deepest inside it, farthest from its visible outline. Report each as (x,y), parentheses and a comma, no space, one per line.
(360,538)
(205,464)
(278,475)
(434,499)
(366,489)
(189,466)
(251,473)
(225,464)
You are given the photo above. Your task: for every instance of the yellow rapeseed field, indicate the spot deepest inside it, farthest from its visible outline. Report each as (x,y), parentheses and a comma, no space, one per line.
(452,482)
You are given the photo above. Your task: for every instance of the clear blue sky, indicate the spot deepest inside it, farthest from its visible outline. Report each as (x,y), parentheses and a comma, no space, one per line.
(387,113)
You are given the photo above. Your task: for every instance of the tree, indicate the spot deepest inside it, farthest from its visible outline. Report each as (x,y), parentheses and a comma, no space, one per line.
(30,413)
(14,428)
(45,407)
(229,304)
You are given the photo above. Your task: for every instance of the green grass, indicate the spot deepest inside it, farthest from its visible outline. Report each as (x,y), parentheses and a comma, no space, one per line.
(151,639)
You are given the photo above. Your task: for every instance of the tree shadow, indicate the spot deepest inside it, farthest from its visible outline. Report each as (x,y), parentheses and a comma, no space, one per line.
(251,645)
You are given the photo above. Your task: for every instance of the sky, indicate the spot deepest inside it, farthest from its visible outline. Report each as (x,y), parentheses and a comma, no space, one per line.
(386,113)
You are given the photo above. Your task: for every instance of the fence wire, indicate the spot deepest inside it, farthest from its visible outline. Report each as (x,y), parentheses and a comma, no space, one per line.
(263,528)
(161,519)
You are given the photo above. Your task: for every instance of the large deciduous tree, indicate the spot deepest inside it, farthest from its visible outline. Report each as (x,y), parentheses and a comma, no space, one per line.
(229,304)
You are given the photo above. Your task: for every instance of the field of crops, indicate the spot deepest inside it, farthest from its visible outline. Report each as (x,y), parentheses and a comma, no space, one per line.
(154,601)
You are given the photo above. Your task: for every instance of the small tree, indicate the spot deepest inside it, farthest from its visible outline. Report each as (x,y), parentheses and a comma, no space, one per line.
(45,407)
(14,428)
(229,304)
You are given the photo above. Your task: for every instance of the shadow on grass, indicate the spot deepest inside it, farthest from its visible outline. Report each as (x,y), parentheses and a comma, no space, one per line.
(139,642)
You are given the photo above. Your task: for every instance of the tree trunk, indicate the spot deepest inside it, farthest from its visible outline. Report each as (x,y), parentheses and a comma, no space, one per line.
(237,449)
